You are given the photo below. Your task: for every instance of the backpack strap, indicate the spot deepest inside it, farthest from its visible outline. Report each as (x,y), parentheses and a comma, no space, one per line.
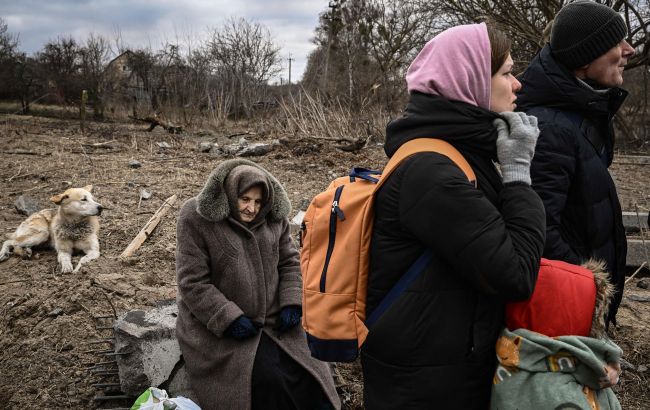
(427,145)
(399,287)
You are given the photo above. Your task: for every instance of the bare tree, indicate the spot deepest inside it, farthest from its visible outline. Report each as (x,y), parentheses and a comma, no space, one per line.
(398,30)
(342,67)
(94,58)
(525,21)
(8,41)
(8,54)
(367,45)
(60,66)
(244,57)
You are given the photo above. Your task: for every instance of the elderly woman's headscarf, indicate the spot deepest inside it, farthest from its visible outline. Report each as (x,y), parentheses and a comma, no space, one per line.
(455,64)
(241,179)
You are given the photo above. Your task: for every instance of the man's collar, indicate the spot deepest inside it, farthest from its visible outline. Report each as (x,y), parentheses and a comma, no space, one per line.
(583,83)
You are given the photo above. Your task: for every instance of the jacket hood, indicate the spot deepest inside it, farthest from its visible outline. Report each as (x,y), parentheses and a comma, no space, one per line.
(212,202)
(569,300)
(548,83)
(604,295)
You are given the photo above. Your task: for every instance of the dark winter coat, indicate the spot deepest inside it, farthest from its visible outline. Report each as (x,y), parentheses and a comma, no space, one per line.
(569,170)
(435,346)
(226,269)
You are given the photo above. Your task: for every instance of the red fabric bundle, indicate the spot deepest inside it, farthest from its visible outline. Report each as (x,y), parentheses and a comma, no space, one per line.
(562,304)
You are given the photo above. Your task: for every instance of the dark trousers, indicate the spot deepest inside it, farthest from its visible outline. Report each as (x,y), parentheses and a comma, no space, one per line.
(281,383)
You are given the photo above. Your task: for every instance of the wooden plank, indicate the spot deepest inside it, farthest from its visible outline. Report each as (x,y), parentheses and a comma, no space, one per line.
(148,228)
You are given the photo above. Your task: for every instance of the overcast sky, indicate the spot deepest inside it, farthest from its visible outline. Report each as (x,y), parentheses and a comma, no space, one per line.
(143,23)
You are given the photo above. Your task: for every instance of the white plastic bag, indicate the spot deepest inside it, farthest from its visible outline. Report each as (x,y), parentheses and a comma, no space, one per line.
(157,399)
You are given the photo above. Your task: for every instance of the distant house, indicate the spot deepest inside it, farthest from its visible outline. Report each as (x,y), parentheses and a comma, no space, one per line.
(121,79)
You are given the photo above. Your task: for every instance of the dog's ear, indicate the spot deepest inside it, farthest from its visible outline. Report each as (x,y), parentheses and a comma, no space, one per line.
(88,188)
(57,199)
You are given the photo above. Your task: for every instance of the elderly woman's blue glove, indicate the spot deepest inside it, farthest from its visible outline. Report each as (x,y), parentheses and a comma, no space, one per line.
(242,328)
(289,317)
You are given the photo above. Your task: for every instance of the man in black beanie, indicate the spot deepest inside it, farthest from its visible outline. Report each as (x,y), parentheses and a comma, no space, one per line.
(571,86)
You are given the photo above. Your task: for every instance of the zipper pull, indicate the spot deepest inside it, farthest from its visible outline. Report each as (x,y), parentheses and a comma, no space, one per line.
(336,210)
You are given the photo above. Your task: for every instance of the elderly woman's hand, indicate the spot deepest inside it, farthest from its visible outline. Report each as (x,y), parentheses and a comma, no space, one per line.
(516,145)
(289,317)
(242,328)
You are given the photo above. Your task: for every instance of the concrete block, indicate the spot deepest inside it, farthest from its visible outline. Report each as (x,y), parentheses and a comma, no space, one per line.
(255,150)
(152,354)
(637,251)
(631,220)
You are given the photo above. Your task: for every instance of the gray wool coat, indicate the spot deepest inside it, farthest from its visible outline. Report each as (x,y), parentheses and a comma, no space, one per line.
(225,269)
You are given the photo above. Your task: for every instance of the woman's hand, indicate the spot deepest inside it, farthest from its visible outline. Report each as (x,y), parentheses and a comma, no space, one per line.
(613,373)
(242,328)
(289,317)
(516,145)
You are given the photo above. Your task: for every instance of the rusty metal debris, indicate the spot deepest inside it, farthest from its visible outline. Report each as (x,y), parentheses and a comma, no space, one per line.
(105,368)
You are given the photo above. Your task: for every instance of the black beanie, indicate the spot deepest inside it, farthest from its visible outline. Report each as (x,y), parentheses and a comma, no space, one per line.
(583,31)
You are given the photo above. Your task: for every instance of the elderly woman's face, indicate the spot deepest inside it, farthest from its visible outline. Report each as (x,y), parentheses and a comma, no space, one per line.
(504,85)
(250,203)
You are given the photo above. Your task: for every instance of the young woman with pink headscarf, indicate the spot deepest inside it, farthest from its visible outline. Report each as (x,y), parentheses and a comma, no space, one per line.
(434,347)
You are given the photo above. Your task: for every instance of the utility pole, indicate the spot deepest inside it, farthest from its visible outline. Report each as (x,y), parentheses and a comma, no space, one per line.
(290,60)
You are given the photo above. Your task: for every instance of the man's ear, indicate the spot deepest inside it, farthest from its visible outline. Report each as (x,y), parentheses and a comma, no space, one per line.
(88,188)
(581,72)
(57,199)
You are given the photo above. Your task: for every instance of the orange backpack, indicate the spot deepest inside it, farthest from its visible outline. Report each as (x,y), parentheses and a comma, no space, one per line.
(335,256)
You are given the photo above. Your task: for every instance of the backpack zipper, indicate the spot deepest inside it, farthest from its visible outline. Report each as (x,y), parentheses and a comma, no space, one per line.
(337,212)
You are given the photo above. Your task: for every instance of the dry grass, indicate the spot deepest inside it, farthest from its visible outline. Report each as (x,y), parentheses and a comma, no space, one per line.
(313,116)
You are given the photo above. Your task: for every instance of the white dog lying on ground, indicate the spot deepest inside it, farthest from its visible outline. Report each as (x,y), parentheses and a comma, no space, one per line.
(72,225)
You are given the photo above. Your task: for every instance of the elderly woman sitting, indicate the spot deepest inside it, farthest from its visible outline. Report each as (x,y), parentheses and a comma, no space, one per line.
(239,297)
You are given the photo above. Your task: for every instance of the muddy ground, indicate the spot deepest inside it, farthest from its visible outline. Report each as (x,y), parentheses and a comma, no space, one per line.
(49,321)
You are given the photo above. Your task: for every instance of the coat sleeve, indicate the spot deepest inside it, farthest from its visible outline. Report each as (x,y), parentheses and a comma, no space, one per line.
(289,269)
(497,249)
(193,276)
(552,170)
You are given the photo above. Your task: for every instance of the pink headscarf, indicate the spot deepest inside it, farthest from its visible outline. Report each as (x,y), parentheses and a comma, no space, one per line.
(455,64)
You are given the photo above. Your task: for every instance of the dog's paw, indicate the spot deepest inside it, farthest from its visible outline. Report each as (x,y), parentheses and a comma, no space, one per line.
(66,267)
(27,253)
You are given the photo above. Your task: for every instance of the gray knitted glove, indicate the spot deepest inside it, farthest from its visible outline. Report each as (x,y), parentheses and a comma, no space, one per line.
(516,145)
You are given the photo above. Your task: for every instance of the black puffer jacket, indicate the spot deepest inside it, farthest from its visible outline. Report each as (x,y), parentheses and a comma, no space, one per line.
(569,170)
(434,346)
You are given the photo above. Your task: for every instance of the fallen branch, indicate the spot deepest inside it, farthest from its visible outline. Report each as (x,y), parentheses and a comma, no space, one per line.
(172,159)
(24,152)
(111,151)
(240,134)
(27,190)
(148,228)
(101,286)
(16,175)
(154,122)
(105,145)
(15,281)
(635,272)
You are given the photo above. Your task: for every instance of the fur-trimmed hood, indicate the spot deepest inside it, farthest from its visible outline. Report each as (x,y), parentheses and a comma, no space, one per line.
(604,294)
(212,202)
